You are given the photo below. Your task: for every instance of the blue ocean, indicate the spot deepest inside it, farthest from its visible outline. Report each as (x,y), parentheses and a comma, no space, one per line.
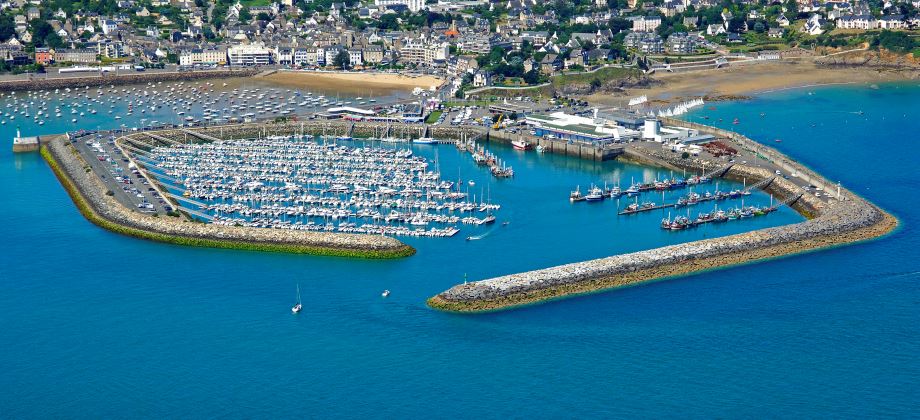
(99,325)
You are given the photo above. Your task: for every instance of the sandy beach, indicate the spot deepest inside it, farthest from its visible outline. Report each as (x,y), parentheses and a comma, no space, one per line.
(359,83)
(748,80)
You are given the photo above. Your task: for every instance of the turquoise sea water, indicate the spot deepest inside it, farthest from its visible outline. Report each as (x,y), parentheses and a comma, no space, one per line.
(95,324)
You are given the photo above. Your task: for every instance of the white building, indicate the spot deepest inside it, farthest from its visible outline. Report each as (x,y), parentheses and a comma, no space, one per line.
(355,57)
(300,57)
(413,5)
(422,53)
(249,55)
(864,22)
(646,23)
(202,56)
(108,26)
(330,53)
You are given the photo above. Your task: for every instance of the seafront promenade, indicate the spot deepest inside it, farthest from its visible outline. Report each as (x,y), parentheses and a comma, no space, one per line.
(836,219)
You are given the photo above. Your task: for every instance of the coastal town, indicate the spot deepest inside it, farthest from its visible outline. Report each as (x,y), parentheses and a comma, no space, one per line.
(373,208)
(343,129)
(471,44)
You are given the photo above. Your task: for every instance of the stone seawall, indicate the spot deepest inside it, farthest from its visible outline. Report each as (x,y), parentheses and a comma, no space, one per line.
(126,79)
(89,194)
(330,128)
(831,223)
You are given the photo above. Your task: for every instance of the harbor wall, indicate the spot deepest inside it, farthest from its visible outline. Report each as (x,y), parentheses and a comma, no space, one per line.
(107,79)
(847,219)
(562,147)
(331,128)
(89,194)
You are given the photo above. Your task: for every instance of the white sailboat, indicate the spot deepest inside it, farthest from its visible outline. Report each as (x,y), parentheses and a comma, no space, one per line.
(297,306)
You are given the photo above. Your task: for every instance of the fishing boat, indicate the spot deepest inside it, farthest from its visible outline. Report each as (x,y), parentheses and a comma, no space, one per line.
(521,144)
(576,195)
(297,306)
(595,194)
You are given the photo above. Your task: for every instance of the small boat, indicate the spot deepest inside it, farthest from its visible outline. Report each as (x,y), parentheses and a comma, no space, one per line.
(521,144)
(385,293)
(594,194)
(576,195)
(471,182)
(297,306)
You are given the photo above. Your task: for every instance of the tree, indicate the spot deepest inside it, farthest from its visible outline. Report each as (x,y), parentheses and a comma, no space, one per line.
(532,77)
(341,60)
(736,24)
(388,22)
(898,42)
(264,17)
(619,24)
(245,15)
(7,27)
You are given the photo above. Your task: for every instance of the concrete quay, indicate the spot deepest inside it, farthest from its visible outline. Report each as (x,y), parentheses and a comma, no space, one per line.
(331,128)
(89,194)
(834,221)
(561,147)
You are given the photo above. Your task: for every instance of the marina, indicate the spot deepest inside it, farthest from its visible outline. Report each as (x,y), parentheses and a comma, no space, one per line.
(308,184)
(158,104)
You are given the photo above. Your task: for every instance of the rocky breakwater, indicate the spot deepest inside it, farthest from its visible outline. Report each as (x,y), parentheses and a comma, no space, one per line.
(89,194)
(835,222)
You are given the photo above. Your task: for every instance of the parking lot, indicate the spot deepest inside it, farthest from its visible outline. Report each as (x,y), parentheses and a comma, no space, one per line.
(125,182)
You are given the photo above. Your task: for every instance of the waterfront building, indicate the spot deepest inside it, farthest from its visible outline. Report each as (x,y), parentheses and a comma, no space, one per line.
(74,55)
(330,53)
(649,43)
(424,53)
(203,56)
(44,56)
(597,131)
(284,55)
(681,43)
(249,55)
(356,57)
(373,54)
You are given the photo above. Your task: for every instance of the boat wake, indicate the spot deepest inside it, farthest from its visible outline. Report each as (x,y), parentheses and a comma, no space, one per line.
(480,236)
